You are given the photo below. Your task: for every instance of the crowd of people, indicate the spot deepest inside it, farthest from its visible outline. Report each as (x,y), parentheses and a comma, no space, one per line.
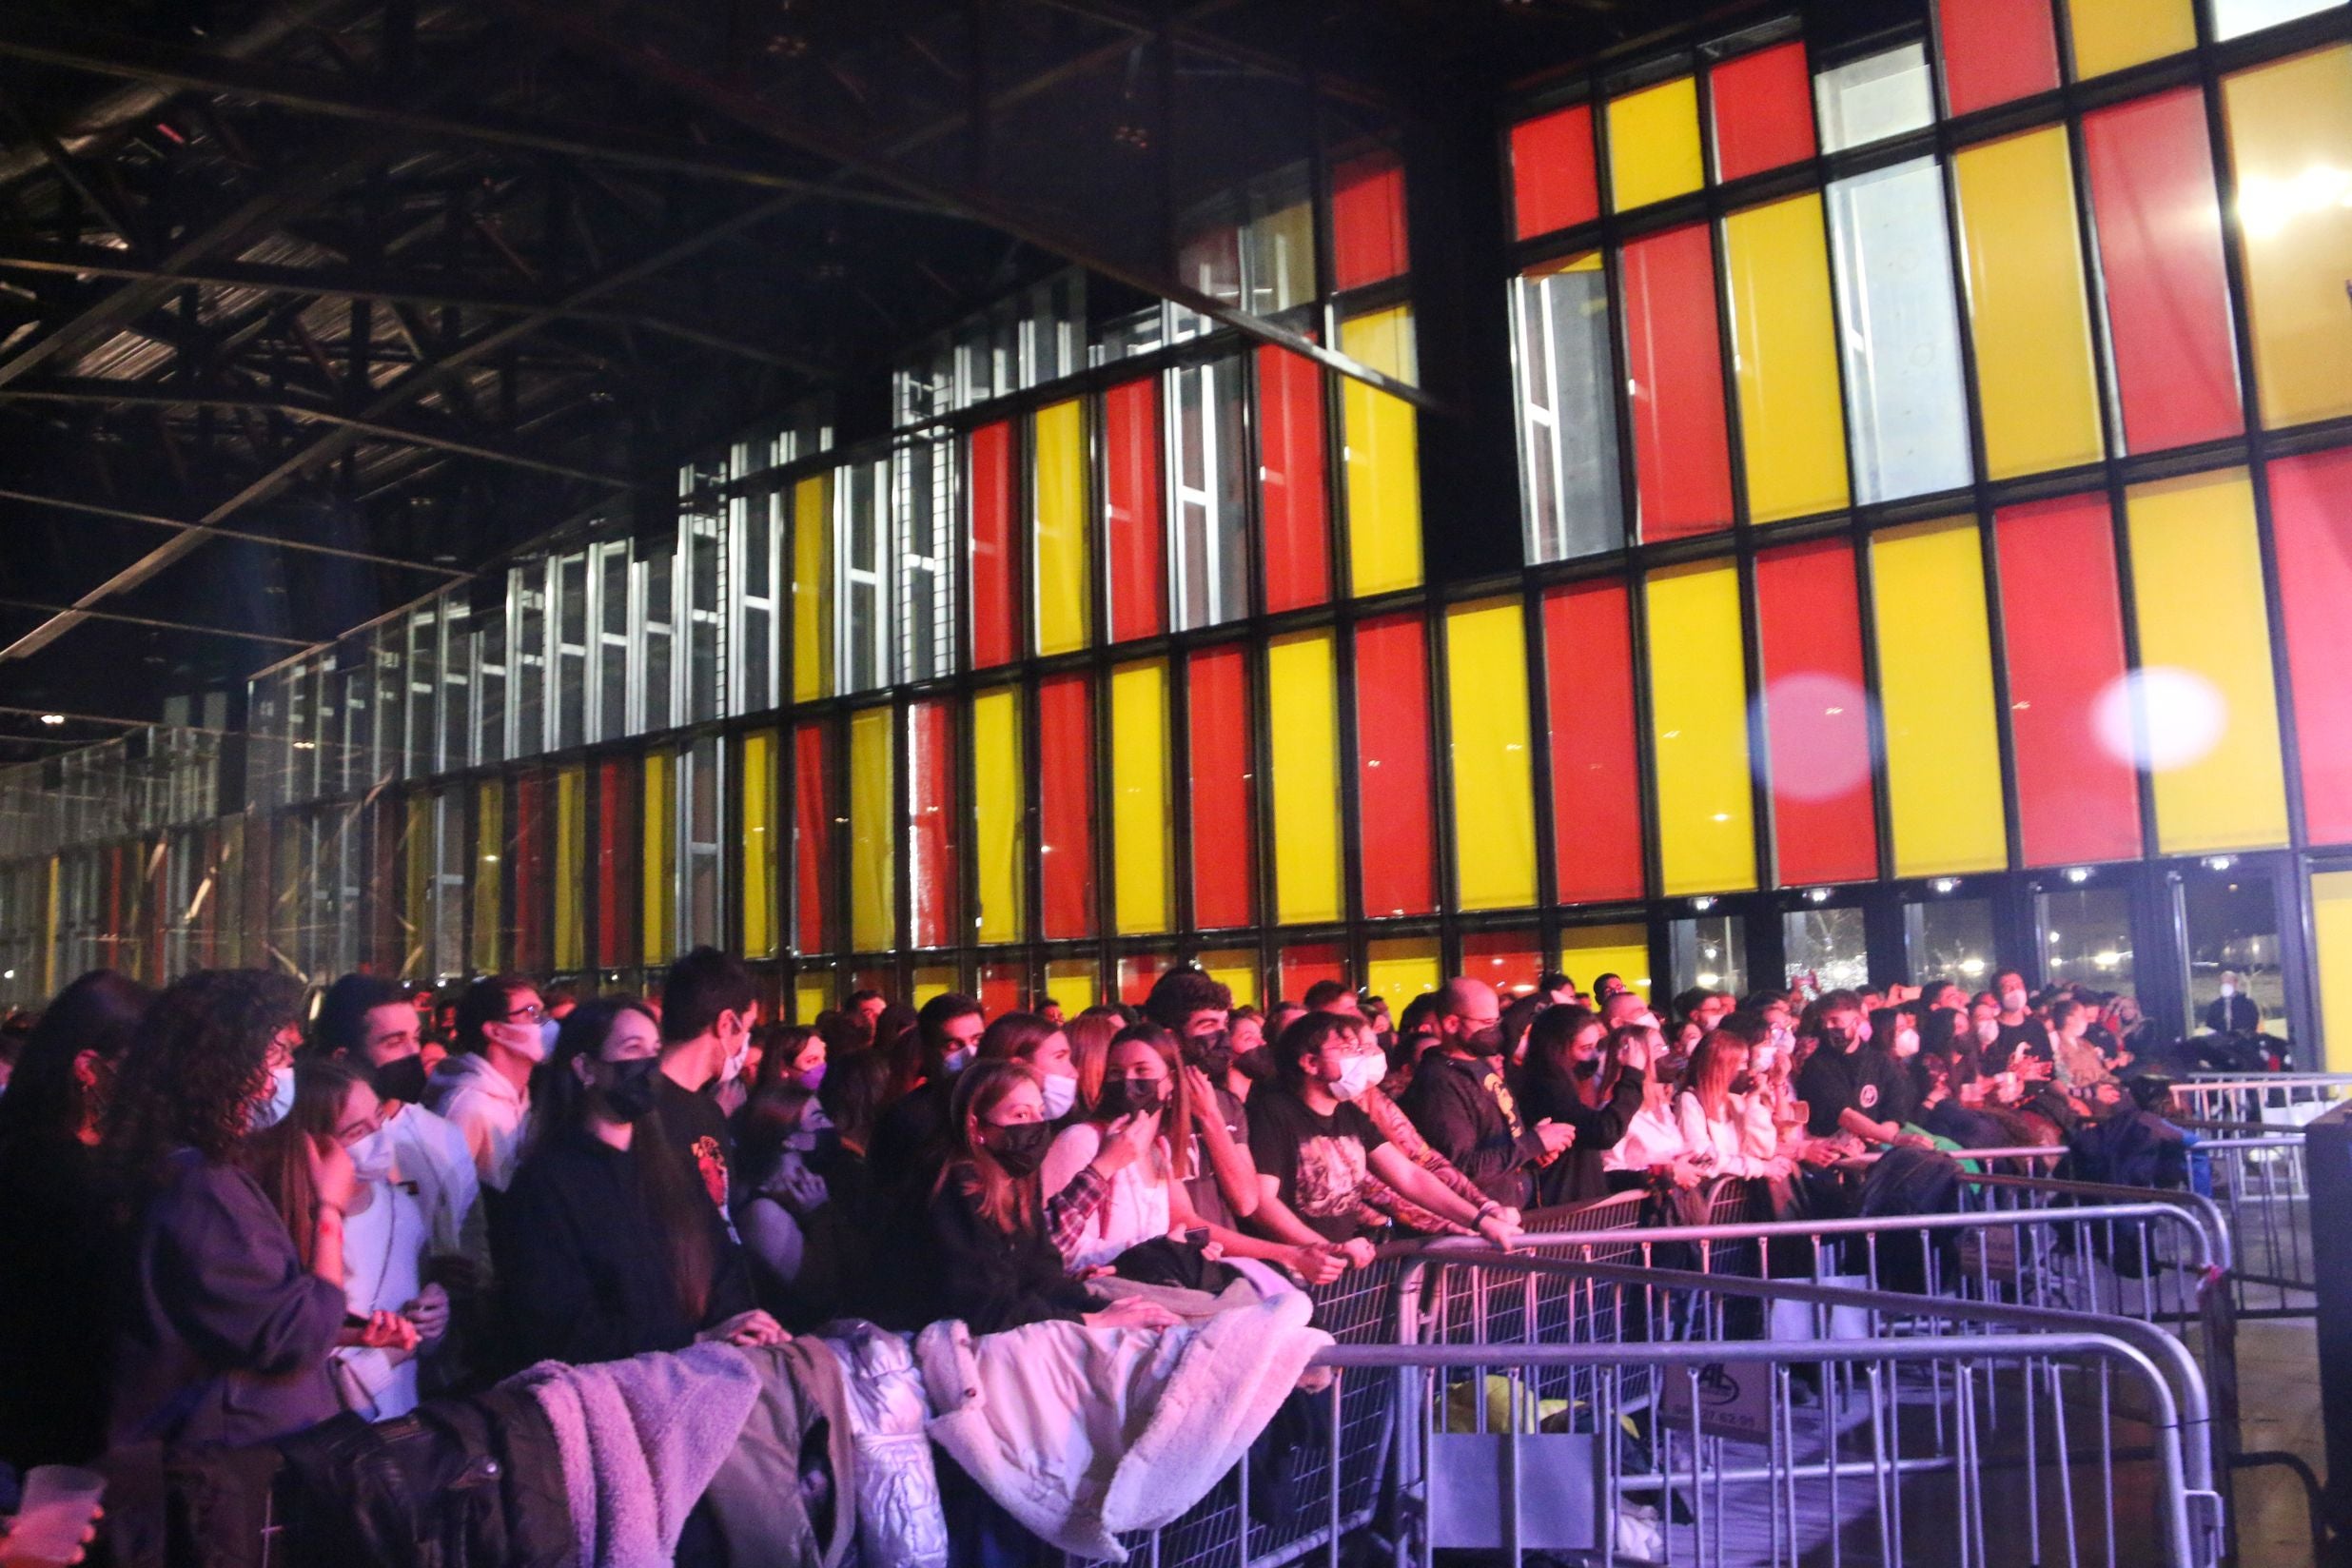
(233,1212)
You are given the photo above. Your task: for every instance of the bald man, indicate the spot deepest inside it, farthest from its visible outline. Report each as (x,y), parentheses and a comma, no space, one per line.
(1460,1102)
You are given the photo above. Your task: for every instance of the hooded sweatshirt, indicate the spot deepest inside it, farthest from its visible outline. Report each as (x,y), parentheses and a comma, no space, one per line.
(488,1111)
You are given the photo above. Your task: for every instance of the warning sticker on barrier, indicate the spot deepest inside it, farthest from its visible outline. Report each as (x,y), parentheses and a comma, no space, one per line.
(1734,1399)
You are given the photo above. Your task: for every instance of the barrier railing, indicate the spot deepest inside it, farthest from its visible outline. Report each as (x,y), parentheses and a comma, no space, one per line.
(2274,1099)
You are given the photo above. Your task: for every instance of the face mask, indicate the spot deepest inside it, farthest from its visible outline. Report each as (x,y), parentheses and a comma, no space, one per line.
(1589,1068)
(2228,989)
(399,1079)
(1020,1150)
(1764,1058)
(1257,1066)
(1837,1039)
(812,1078)
(1211,1053)
(1060,1093)
(1906,1042)
(1486,1042)
(371,1157)
(2013,1001)
(732,1068)
(1360,1073)
(1988,1031)
(529,1041)
(629,1087)
(271,1111)
(1130,1096)
(549,1028)
(1862,1032)
(956,1059)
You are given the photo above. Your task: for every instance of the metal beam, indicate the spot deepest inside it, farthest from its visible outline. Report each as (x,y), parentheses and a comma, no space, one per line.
(154,519)
(1147,26)
(153,623)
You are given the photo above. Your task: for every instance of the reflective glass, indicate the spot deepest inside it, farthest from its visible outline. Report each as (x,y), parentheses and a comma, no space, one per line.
(1872,98)
(2086,936)
(1708,949)
(1950,939)
(1825,948)
(1568,443)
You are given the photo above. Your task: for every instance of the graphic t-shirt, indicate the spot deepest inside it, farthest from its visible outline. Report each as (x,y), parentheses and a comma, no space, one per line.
(1832,1081)
(1317,1162)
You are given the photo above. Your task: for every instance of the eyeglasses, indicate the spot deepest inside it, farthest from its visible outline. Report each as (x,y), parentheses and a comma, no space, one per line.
(532,1014)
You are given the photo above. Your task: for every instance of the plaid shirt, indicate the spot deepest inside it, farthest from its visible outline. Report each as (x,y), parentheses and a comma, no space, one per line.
(1067,1211)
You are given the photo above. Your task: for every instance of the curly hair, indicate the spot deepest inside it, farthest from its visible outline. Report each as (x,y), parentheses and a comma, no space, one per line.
(200,1064)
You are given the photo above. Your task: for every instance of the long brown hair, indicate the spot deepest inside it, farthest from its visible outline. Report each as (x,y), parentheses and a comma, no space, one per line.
(1718,1059)
(1090,1034)
(279,1156)
(1176,1110)
(1007,1202)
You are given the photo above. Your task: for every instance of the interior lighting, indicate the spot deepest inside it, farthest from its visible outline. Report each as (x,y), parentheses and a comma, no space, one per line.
(1819,896)
(2078,874)
(1710,979)
(1972,967)
(2220,862)
(52,718)
(1702,902)
(1946,884)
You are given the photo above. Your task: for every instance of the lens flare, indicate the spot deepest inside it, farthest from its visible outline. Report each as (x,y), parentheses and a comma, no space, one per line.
(2159,718)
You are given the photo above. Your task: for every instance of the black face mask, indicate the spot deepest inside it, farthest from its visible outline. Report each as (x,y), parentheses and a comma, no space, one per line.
(1125,1096)
(1837,1039)
(400,1079)
(1589,1068)
(1486,1042)
(1256,1066)
(1020,1148)
(628,1095)
(1211,1053)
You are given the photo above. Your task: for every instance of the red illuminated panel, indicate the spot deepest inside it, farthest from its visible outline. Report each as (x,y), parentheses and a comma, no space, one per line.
(1595,766)
(1816,715)
(617,865)
(1290,464)
(995,626)
(2062,633)
(2311,519)
(1763,111)
(1553,184)
(1995,51)
(2160,250)
(1131,494)
(531,872)
(812,839)
(1066,804)
(1506,960)
(1306,963)
(1217,720)
(931,831)
(1674,360)
(1367,220)
(1391,777)
(1003,988)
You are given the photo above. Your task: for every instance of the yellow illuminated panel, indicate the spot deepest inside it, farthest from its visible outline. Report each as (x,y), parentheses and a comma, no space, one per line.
(571,859)
(1237,972)
(1936,691)
(2026,305)
(1492,767)
(761,844)
(1587,952)
(1139,835)
(489,840)
(933,982)
(1784,341)
(1076,983)
(2331,965)
(1062,597)
(419,879)
(1653,150)
(1698,731)
(2110,34)
(812,589)
(998,798)
(1301,714)
(1401,968)
(874,833)
(2209,706)
(1384,457)
(2291,141)
(811,994)
(661,861)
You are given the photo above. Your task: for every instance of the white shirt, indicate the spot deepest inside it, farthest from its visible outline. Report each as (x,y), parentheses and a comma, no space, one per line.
(1651,1138)
(488,1111)
(381,1246)
(1134,1210)
(1726,1139)
(431,1154)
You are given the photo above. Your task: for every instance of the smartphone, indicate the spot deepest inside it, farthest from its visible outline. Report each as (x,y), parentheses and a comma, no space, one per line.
(1196,1236)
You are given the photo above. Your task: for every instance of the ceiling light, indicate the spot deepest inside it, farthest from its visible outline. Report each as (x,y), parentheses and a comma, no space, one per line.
(52,718)
(1946,884)
(1819,896)
(1703,903)
(2220,862)
(2078,874)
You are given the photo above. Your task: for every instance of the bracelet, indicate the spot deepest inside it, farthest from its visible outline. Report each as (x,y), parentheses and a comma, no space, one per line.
(1490,1207)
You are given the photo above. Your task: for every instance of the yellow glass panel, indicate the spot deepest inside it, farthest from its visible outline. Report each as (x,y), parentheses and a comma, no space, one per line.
(2331,963)
(418,866)
(1236,971)
(2291,141)
(2026,305)
(933,982)
(811,994)
(1076,983)
(1063,601)
(762,844)
(1698,727)
(873,833)
(2197,591)
(998,798)
(656,807)
(489,881)
(1936,691)
(1139,836)
(1492,766)
(2110,34)
(1784,344)
(49,930)
(1653,150)
(571,943)
(811,588)
(1397,968)
(1384,457)
(1587,952)
(1301,714)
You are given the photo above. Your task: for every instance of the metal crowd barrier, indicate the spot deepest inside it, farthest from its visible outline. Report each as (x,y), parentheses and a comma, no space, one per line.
(2275,1099)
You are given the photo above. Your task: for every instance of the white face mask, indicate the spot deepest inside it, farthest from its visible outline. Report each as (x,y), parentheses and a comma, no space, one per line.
(1360,1074)
(1783,1037)
(732,1068)
(2013,1001)
(1060,1093)
(1906,1042)
(2229,988)
(1862,1032)
(1763,1058)
(371,1157)
(957,1059)
(528,1041)
(281,1102)
(1988,1031)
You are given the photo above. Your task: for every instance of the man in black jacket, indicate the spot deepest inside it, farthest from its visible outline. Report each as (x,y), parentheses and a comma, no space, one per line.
(1458,1100)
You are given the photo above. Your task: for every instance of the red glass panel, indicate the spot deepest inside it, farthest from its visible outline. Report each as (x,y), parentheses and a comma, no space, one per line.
(1816,715)
(1066,804)
(2311,520)
(930,828)
(1763,111)
(1674,358)
(1131,502)
(2160,250)
(1217,725)
(1506,960)
(1392,776)
(882,981)
(1595,766)
(1302,965)
(1003,988)
(617,865)
(1138,972)
(1367,220)
(1995,51)
(813,837)
(532,878)
(1290,476)
(994,620)
(1553,184)
(2062,632)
